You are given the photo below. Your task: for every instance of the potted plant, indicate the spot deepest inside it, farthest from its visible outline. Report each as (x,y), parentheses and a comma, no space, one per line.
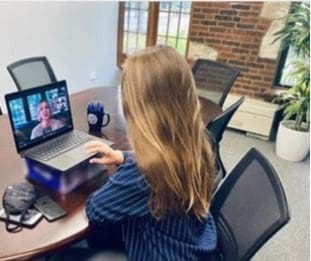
(293,138)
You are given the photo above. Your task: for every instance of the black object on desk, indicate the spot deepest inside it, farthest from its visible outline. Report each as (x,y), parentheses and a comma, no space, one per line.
(49,208)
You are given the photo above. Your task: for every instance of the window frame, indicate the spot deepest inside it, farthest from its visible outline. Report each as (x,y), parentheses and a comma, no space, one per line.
(152,29)
(280,68)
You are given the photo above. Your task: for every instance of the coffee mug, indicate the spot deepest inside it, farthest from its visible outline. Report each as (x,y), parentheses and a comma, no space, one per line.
(95,116)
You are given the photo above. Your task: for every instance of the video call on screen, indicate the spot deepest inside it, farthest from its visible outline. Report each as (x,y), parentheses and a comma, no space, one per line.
(25,114)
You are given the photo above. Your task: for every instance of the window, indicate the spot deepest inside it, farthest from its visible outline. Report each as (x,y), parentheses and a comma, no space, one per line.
(284,71)
(173,25)
(51,97)
(144,24)
(33,101)
(18,112)
(135,26)
(286,66)
(295,34)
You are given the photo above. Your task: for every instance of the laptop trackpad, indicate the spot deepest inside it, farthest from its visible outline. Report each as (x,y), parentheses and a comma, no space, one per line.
(65,160)
(70,158)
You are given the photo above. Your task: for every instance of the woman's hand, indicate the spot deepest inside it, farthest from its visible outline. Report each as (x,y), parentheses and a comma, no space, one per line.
(107,154)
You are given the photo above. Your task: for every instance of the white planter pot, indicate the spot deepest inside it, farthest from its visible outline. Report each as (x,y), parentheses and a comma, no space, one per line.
(292,145)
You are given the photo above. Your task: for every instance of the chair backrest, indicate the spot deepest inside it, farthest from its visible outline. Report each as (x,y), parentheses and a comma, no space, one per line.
(219,124)
(215,79)
(31,72)
(249,207)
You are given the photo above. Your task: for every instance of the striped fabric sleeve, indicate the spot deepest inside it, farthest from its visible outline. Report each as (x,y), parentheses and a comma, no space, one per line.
(124,196)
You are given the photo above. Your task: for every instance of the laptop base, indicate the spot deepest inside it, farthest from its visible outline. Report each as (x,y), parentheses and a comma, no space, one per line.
(62,182)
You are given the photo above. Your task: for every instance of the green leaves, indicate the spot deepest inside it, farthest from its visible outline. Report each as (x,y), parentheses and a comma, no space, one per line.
(296,33)
(297,104)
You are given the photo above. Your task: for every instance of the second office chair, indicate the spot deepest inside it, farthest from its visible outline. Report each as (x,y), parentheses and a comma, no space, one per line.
(31,72)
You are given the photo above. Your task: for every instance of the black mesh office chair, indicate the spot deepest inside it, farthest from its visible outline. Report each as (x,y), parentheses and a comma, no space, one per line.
(214,79)
(249,207)
(217,127)
(31,72)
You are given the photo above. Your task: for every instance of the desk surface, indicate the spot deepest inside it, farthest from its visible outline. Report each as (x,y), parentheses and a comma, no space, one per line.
(47,237)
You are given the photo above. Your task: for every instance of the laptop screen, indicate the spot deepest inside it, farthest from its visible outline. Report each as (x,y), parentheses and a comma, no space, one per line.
(39,114)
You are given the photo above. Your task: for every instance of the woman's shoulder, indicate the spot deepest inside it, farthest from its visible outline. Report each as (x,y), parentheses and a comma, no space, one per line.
(36,131)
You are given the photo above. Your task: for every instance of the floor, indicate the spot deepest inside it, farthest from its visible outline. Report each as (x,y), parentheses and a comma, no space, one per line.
(292,241)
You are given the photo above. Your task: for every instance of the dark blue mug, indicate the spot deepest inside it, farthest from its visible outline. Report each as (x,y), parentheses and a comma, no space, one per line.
(95,116)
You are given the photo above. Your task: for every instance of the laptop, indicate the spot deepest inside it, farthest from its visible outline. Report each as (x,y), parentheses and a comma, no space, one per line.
(43,129)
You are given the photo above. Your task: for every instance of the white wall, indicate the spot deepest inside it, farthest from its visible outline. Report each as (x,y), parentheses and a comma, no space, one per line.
(77,37)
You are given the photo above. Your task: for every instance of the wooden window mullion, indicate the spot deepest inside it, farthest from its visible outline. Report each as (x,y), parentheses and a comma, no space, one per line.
(178,25)
(190,25)
(120,55)
(138,22)
(152,28)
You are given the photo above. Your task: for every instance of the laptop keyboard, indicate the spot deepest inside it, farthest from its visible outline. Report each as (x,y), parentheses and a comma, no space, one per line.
(59,145)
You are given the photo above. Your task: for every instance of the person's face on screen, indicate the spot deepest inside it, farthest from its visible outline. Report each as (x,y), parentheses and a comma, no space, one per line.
(44,111)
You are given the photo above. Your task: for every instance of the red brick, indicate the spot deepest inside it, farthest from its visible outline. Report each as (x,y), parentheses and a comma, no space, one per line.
(266,60)
(205,34)
(261,27)
(241,6)
(197,10)
(246,26)
(250,20)
(240,50)
(196,21)
(199,16)
(213,41)
(209,22)
(256,8)
(201,4)
(221,5)
(241,69)
(250,46)
(231,43)
(247,13)
(217,29)
(237,62)
(267,79)
(198,39)
(196,27)
(228,12)
(226,24)
(236,19)
(210,11)
(253,77)
(223,17)
(255,65)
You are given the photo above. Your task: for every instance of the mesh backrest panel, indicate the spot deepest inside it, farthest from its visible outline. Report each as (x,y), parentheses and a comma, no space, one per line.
(31,75)
(212,79)
(251,207)
(218,125)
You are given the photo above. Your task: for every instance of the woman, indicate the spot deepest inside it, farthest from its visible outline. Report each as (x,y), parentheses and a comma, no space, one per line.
(46,124)
(161,193)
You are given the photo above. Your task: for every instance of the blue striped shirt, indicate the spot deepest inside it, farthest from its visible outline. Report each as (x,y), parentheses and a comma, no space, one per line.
(124,198)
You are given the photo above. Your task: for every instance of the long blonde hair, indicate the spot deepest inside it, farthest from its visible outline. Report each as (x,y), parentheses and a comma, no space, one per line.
(166,131)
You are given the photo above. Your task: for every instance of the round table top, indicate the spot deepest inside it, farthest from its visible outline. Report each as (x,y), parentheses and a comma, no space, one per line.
(46,237)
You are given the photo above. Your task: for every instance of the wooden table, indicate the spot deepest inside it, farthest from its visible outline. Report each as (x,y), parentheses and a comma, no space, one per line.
(47,237)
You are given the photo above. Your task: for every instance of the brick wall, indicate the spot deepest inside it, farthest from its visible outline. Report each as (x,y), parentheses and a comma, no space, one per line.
(237,33)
